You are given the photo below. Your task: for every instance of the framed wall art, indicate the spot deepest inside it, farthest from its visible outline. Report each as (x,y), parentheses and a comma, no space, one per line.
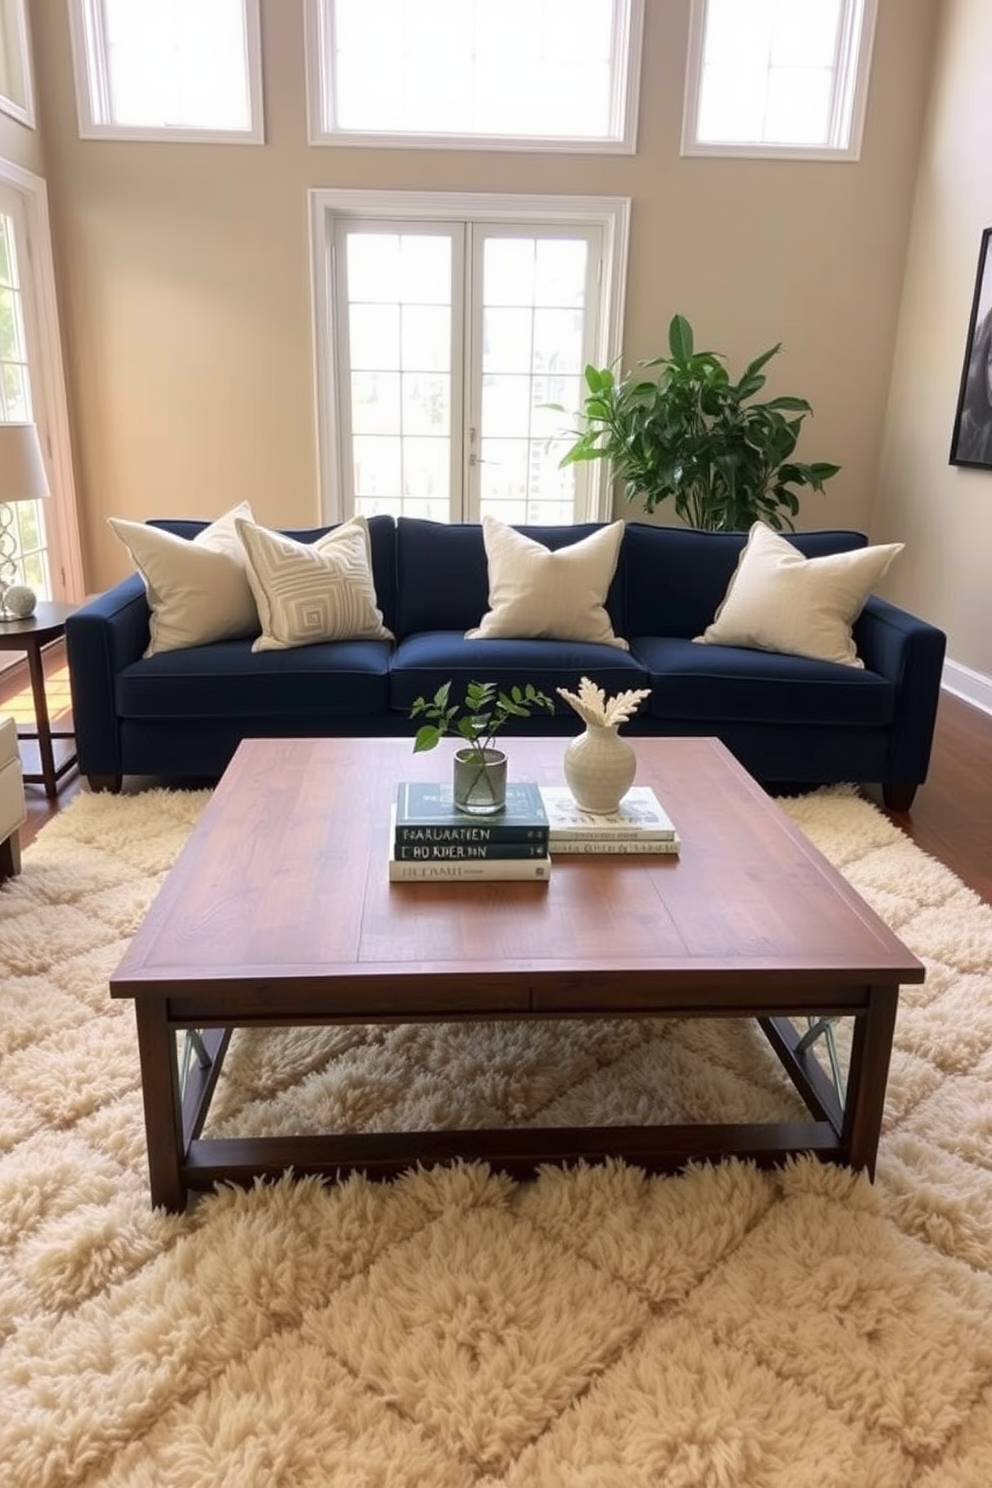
(971,442)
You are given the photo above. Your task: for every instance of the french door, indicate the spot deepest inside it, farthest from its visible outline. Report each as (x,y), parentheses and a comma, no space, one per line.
(447,340)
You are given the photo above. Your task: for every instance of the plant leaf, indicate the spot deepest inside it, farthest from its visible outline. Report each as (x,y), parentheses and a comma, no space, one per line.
(680,338)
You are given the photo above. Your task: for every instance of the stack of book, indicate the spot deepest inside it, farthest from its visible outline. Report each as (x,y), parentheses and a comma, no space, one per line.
(640,824)
(431,839)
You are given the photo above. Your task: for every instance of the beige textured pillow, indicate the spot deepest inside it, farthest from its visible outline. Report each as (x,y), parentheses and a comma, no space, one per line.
(778,600)
(310,592)
(197,589)
(534,592)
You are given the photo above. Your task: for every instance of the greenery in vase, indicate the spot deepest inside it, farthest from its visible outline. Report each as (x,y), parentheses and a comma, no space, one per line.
(477,718)
(692,435)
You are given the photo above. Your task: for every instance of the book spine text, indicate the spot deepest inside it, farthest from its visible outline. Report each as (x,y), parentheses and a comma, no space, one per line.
(480,869)
(412,835)
(597,845)
(611,834)
(466,852)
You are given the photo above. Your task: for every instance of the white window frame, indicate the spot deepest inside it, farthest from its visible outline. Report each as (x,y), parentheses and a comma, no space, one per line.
(92,79)
(328,206)
(22,109)
(318,32)
(849,97)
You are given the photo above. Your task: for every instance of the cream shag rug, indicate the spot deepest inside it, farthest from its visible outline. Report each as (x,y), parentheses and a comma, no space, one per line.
(594,1328)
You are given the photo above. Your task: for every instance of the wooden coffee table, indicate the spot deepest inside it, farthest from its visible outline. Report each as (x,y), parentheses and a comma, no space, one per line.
(278,912)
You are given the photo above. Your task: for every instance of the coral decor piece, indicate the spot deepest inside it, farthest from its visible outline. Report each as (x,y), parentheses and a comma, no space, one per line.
(593,706)
(599,766)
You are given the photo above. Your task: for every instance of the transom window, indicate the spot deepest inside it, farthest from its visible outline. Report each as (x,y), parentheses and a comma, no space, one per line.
(168,69)
(511,74)
(777,77)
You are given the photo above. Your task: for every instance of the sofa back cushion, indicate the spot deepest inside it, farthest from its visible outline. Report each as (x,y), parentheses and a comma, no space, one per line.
(443,575)
(382,547)
(675,577)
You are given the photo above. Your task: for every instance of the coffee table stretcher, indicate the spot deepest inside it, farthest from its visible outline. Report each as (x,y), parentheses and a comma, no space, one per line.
(181,1160)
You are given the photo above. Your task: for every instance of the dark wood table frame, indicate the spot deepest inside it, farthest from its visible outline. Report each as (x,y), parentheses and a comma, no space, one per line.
(33,636)
(750,921)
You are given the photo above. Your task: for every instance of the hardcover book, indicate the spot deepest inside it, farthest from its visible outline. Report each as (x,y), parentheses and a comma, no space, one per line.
(659,846)
(426,816)
(460,852)
(537,870)
(640,817)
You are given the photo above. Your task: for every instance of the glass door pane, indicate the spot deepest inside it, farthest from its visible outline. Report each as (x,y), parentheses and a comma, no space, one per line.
(398,363)
(532,340)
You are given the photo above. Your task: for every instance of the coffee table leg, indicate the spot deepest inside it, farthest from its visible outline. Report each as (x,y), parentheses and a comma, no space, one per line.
(871,1051)
(163,1106)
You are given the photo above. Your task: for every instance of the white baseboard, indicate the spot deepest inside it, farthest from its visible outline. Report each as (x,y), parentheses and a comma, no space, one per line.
(973,687)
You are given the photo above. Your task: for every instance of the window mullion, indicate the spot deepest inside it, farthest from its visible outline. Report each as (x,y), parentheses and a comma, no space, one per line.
(471,401)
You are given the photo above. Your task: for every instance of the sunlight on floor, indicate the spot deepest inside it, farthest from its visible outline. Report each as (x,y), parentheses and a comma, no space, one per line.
(20,705)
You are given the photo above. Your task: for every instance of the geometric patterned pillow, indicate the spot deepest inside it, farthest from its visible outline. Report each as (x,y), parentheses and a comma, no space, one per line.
(310,592)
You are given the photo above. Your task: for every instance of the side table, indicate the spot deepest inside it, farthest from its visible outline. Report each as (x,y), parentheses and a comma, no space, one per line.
(32,636)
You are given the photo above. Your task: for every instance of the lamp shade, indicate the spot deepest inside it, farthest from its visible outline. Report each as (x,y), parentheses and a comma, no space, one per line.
(22,469)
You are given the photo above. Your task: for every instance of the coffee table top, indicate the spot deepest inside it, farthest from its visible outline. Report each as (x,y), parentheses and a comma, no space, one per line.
(284,880)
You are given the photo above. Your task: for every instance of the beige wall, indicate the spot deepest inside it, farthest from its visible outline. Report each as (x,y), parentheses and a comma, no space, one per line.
(184,275)
(944,512)
(20,145)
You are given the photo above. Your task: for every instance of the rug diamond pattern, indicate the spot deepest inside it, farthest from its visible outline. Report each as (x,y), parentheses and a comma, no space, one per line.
(595,1328)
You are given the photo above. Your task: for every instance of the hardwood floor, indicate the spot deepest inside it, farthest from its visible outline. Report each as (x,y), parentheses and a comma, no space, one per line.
(951,817)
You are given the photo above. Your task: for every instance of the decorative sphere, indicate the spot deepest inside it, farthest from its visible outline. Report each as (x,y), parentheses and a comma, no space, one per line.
(20,600)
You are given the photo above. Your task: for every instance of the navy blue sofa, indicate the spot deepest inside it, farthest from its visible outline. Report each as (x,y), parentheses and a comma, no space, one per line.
(788,720)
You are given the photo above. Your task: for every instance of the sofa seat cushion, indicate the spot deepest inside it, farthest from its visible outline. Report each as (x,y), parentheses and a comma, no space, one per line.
(421,663)
(732,685)
(333,679)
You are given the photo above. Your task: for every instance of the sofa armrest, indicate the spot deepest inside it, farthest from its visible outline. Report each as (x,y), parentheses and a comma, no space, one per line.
(910,653)
(101,639)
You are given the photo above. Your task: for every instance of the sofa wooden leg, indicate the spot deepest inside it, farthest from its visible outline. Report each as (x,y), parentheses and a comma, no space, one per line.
(897,797)
(100,783)
(10,856)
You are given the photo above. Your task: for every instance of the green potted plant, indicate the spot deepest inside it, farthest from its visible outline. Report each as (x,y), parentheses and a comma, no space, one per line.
(479,767)
(693,435)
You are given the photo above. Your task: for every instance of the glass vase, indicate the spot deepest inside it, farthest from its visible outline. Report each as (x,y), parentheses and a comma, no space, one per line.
(479,783)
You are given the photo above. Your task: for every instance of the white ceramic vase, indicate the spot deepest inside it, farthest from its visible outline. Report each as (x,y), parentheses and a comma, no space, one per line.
(599,768)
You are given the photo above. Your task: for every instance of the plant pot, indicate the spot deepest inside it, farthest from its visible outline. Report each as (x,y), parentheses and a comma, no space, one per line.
(599,768)
(480,781)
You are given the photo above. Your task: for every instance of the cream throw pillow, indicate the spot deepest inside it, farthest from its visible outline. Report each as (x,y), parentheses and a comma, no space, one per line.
(310,592)
(534,592)
(197,589)
(778,600)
